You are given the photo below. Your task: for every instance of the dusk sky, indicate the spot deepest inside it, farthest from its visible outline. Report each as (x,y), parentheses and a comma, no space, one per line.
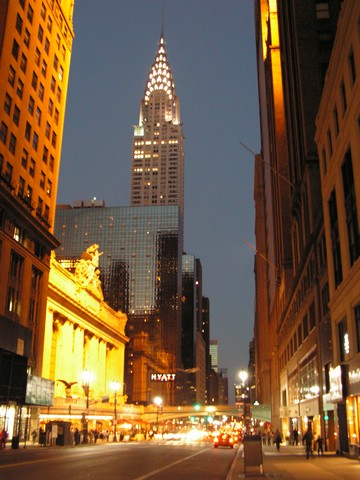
(211,50)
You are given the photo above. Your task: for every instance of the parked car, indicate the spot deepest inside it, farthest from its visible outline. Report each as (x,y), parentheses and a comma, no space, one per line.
(223,440)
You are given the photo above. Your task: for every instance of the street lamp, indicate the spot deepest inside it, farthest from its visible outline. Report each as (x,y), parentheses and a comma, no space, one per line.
(158,402)
(87,378)
(115,386)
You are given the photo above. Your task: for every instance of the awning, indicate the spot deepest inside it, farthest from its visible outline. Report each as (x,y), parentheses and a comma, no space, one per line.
(261,412)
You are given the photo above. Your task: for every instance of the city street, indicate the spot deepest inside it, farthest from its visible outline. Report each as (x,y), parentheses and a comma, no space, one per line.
(167,460)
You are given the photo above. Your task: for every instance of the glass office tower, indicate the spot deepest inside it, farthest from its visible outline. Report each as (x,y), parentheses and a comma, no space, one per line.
(140,275)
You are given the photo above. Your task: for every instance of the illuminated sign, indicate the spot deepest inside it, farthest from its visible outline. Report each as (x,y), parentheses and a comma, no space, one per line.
(163,377)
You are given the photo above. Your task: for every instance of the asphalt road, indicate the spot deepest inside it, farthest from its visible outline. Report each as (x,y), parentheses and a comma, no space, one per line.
(120,461)
(168,460)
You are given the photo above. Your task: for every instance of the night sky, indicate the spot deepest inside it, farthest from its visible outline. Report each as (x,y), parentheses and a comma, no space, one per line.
(211,50)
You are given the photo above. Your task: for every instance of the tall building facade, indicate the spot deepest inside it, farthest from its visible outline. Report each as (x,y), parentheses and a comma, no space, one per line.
(157,170)
(337,137)
(141,253)
(35,51)
(293,341)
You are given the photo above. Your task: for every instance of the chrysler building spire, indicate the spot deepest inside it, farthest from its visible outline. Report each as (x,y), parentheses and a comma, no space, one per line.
(157,176)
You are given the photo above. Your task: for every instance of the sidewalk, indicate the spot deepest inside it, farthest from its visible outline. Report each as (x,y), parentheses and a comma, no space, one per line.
(291,464)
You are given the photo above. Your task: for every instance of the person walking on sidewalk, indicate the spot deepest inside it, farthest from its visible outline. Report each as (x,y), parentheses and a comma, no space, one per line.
(308,439)
(277,440)
(319,444)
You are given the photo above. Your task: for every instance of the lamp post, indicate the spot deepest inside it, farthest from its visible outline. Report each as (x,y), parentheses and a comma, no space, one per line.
(243,375)
(87,377)
(158,402)
(115,386)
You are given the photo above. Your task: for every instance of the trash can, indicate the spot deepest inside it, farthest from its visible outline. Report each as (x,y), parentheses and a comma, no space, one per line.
(15,442)
(253,453)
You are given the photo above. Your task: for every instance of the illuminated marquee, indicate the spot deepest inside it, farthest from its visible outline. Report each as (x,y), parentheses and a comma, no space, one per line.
(163,377)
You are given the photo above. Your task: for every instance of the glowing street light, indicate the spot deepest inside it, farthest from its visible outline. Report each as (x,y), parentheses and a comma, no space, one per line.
(243,375)
(115,387)
(158,402)
(87,378)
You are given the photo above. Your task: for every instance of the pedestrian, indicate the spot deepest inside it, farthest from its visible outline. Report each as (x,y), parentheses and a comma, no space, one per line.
(77,436)
(4,436)
(34,436)
(296,436)
(277,440)
(319,444)
(308,438)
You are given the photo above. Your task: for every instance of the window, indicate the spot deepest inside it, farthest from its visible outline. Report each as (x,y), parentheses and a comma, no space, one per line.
(7,103)
(43,68)
(49,188)
(12,143)
(27,37)
(30,14)
(51,163)
(357,326)
(16,115)
(51,106)
(19,23)
(37,56)
(21,189)
(49,24)
(47,46)
(45,154)
(35,141)
(343,97)
(56,116)
(350,207)
(34,81)
(40,206)
(38,116)
(335,239)
(28,131)
(299,334)
(24,158)
(11,76)
(43,11)
(329,142)
(32,168)
(42,180)
(325,299)
(322,10)
(305,327)
(8,173)
(22,4)
(56,62)
(3,133)
(15,49)
(312,316)
(31,105)
(336,121)
(41,91)
(53,84)
(58,41)
(352,67)
(23,63)
(47,130)
(61,73)
(15,281)
(343,339)
(58,94)
(29,194)
(53,139)
(40,34)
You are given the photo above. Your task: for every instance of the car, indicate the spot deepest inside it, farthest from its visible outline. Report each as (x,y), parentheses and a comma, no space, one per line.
(223,440)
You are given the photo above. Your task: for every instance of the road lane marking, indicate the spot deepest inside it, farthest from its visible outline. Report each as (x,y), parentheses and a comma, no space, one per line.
(158,470)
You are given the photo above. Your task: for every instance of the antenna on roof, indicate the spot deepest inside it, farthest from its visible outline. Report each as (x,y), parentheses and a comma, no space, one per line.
(162,21)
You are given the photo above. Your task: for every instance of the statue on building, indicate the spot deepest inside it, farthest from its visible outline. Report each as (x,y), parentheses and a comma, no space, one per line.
(87,271)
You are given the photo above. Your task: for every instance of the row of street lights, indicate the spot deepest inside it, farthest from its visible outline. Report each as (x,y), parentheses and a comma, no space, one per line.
(88,377)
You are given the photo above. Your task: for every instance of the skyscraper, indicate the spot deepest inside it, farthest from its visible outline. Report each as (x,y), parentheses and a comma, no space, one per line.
(157,172)
(35,51)
(293,344)
(140,269)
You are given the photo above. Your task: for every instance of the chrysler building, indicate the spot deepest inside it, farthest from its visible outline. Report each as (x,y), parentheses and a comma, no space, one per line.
(157,176)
